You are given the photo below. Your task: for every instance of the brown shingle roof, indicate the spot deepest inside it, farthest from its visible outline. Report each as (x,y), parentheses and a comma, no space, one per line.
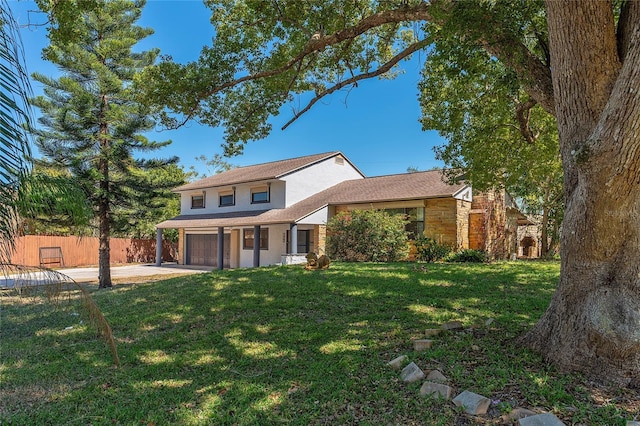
(257,172)
(408,186)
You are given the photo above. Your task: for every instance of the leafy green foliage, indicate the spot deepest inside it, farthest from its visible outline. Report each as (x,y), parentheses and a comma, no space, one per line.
(495,132)
(53,204)
(468,256)
(283,345)
(92,123)
(430,250)
(367,236)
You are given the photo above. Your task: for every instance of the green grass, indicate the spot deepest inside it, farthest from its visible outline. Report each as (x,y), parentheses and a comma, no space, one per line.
(281,345)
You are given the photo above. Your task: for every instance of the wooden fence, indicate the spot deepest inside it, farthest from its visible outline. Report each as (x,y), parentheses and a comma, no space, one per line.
(83,251)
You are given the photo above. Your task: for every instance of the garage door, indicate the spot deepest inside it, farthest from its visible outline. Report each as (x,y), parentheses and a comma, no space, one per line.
(202,249)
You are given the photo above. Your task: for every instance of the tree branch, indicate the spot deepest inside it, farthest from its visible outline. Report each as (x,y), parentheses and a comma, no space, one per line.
(353,80)
(532,73)
(523,112)
(420,12)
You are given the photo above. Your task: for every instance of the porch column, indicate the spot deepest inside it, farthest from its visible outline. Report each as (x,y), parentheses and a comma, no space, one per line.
(256,246)
(158,246)
(293,238)
(220,247)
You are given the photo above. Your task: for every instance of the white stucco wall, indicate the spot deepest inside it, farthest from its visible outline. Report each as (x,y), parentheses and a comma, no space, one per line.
(318,218)
(243,199)
(272,256)
(318,177)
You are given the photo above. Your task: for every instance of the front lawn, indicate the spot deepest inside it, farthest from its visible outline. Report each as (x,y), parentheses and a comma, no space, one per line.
(283,345)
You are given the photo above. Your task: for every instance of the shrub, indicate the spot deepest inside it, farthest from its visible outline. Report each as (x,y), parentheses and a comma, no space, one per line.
(367,236)
(469,256)
(430,250)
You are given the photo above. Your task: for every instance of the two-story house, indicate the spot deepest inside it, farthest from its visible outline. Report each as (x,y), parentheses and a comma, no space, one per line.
(277,212)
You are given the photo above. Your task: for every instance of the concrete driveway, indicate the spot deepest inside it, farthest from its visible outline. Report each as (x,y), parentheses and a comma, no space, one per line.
(91,274)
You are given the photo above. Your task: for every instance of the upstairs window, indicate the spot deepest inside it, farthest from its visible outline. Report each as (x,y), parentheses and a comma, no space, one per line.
(260,195)
(227,198)
(197,201)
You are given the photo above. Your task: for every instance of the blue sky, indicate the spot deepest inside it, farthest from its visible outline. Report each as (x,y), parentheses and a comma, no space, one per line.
(375,125)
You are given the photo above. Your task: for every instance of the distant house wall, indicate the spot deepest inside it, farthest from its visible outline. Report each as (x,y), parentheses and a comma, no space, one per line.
(529,241)
(493,224)
(487,223)
(83,251)
(445,219)
(320,238)
(463,208)
(441,220)
(476,230)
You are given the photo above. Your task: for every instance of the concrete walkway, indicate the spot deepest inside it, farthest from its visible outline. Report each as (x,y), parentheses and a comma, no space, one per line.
(126,271)
(91,274)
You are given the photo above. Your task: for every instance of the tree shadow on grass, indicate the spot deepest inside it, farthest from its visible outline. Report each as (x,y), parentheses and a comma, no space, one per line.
(264,346)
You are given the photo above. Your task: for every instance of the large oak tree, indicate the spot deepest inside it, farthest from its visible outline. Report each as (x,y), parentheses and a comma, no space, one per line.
(577,60)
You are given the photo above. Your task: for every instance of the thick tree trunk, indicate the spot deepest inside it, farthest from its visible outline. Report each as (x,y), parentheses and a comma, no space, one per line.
(593,322)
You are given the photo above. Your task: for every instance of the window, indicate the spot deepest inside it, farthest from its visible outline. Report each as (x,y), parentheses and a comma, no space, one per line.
(260,195)
(247,239)
(226,198)
(415,216)
(197,201)
(305,241)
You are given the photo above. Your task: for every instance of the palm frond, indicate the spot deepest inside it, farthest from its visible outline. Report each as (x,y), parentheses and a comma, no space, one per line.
(15,120)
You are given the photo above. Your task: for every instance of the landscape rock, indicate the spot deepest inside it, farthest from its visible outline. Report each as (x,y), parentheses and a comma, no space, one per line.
(473,403)
(452,325)
(422,344)
(437,389)
(437,376)
(518,413)
(546,419)
(396,363)
(411,373)
(430,332)
(632,423)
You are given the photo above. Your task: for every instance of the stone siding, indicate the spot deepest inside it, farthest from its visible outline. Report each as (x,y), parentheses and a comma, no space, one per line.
(462,212)
(441,220)
(320,238)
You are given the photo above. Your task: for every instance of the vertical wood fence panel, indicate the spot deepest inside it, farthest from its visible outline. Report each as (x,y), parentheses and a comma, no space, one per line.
(83,251)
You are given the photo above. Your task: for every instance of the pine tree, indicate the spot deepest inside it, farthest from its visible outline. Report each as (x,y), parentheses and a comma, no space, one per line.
(92,124)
